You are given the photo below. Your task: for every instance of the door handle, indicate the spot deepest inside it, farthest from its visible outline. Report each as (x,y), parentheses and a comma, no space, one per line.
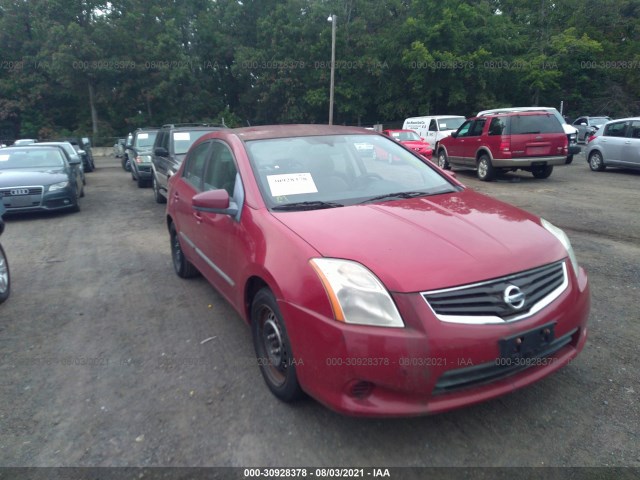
(197,216)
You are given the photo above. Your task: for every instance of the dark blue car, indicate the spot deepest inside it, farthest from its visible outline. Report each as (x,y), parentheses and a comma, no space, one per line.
(39,178)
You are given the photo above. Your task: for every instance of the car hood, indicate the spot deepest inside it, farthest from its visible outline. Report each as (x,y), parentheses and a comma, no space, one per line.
(31,177)
(430,242)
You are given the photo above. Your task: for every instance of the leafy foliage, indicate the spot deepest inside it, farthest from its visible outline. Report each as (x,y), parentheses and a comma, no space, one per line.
(92,66)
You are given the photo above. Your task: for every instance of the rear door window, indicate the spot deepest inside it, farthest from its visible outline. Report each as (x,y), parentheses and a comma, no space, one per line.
(615,129)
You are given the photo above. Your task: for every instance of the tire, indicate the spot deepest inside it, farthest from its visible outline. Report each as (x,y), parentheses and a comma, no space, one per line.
(486,172)
(273,349)
(156,192)
(183,267)
(542,172)
(133,175)
(5,277)
(596,162)
(443,161)
(126,164)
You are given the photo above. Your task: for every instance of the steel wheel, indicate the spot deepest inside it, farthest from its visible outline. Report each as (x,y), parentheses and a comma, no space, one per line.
(596,162)
(273,350)
(5,277)
(156,192)
(183,267)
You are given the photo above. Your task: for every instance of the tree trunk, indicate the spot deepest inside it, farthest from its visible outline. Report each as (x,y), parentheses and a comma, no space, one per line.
(94,112)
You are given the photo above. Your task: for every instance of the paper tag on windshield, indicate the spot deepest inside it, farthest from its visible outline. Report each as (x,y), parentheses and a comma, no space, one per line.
(291,184)
(181,136)
(443,125)
(143,136)
(4,158)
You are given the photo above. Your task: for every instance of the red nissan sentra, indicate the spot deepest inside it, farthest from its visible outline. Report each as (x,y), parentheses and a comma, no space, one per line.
(377,289)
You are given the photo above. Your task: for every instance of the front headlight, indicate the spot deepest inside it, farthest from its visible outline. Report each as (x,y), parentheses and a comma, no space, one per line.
(58,186)
(560,235)
(143,159)
(356,294)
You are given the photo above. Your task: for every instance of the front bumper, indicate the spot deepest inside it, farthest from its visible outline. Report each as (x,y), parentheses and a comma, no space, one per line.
(48,201)
(429,366)
(143,170)
(574,149)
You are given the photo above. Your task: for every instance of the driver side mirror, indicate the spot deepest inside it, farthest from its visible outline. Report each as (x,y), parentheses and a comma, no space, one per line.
(454,134)
(161,152)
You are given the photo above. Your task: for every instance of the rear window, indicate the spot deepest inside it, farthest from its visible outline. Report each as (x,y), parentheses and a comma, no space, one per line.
(145,139)
(532,124)
(183,140)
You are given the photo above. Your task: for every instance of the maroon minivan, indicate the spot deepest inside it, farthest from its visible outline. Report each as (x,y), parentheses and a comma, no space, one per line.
(531,141)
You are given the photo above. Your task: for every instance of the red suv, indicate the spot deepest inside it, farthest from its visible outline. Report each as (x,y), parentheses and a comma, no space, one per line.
(531,141)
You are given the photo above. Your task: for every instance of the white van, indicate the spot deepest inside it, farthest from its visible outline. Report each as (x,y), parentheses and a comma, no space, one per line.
(433,128)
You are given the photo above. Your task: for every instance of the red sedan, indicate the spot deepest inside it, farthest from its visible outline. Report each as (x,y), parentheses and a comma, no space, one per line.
(412,140)
(377,289)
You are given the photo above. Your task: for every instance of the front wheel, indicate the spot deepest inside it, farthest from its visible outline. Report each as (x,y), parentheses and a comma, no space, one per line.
(156,191)
(443,162)
(5,276)
(596,162)
(542,172)
(183,267)
(486,172)
(273,349)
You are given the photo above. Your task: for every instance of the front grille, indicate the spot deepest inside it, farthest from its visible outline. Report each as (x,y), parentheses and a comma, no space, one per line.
(492,371)
(21,197)
(7,192)
(486,303)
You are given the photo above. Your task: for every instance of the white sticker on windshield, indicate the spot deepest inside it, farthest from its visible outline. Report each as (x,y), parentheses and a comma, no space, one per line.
(291,184)
(443,126)
(181,136)
(143,136)
(4,158)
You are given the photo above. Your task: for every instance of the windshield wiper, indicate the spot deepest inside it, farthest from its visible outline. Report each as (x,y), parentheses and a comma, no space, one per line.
(395,195)
(315,205)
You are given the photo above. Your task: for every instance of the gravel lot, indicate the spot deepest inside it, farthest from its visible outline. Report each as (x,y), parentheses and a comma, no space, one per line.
(109,359)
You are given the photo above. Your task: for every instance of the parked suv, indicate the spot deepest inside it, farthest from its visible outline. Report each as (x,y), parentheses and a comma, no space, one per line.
(138,153)
(531,141)
(569,130)
(171,145)
(587,126)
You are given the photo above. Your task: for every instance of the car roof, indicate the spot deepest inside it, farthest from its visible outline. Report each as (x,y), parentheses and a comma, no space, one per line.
(514,109)
(298,130)
(513,113)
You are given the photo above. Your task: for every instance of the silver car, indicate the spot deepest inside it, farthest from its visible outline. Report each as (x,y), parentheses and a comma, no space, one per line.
(616,144)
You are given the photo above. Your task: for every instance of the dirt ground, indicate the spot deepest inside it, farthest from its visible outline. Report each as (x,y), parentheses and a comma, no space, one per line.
(107,358)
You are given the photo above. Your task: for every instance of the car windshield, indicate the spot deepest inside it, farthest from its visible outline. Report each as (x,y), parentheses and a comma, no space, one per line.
(450,123)
(406,136)
(182,141)
(31,158)
(335,170)
(599,121)
(145,139)
(66,145)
